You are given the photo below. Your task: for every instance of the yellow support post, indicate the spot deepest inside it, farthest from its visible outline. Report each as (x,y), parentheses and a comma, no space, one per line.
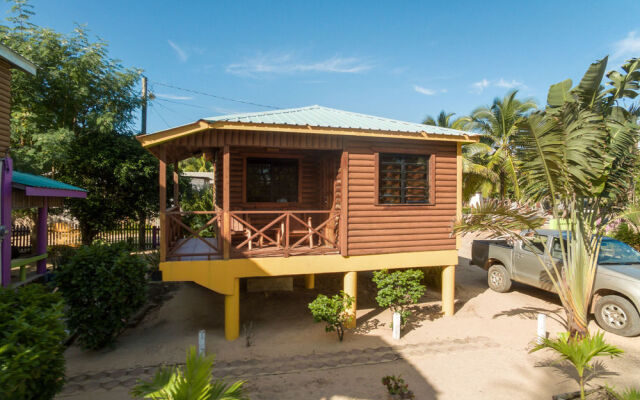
(448,289)
(351,288)
(309,281)
(232,313)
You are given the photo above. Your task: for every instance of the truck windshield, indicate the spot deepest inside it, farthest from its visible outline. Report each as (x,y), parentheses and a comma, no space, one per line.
(616,252)
(612,251)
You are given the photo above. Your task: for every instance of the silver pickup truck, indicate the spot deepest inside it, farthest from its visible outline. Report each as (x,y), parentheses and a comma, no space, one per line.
(617,287)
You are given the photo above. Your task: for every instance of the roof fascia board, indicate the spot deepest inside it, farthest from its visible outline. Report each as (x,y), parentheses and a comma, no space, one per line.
(17,60)
(158,138)
(51,192)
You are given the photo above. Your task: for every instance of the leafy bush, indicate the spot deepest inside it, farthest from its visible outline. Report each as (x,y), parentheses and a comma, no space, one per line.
(579,351)
(60,254)
(626,234)
(399,289)
(31,343)
(191,382)
(397,386)
(103,285)
(333,311)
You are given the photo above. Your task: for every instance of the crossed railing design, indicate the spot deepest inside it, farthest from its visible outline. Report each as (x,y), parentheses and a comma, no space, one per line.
(257,232)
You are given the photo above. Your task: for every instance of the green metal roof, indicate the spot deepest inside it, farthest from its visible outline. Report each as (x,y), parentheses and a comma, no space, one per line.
(319,116)
(22,178)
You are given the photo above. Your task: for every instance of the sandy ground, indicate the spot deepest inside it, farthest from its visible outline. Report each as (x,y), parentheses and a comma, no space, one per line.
(480,352)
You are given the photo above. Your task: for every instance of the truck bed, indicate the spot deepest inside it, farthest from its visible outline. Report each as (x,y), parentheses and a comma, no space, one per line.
(480,250)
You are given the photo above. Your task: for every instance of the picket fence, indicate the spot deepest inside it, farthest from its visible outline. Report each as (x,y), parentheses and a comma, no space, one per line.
(68,234)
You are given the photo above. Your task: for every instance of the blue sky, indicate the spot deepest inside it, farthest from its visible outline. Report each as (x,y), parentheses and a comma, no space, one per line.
(400,60)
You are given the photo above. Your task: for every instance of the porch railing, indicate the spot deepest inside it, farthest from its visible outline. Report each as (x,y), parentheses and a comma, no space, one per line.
(254,233)
(179,234)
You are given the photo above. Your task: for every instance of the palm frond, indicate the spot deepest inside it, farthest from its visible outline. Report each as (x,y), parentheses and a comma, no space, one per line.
(499,218)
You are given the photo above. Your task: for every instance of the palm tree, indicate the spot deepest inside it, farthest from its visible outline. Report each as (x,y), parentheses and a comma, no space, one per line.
(579,352)
(191,382)
(497,124)
(446,120)
(477,177)
(578,156)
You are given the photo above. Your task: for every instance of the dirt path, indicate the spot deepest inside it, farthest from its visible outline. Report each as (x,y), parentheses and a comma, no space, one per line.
(480,352)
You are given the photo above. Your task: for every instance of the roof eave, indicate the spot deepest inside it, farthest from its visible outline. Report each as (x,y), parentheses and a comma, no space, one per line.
(17,60)
(158,138)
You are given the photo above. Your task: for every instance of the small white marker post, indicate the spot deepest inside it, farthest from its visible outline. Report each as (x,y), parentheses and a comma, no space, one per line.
(201,346)
(542,328)
(396,326)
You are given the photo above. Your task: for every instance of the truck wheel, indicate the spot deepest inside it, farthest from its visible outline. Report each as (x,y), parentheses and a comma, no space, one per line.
(617,315)
(498,278)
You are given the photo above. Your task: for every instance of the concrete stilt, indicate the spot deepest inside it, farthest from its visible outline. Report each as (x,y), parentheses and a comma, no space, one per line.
(448,289)
(232,313)
(351,288)
(309,281)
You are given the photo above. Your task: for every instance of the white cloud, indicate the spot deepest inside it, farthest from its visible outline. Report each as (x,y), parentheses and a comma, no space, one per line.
(480,86)
(288,64)
(423,90)
(504,84)
(182,55)
(172,96)
(627,47)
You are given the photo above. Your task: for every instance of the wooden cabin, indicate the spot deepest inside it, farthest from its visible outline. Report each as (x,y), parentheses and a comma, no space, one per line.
(308,191)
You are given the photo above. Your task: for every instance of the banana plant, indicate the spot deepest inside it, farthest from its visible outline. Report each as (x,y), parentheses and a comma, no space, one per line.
(577,158)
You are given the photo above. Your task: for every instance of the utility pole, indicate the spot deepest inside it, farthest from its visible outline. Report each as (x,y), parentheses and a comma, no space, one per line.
(143,131)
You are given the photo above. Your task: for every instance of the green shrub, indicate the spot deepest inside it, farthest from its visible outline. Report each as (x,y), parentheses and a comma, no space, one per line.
(399,289)
(103,285)
(333,311)
(625,234)
(31,343)
(60,254)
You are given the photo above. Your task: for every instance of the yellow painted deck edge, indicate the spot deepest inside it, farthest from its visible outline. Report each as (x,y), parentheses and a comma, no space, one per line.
(219,275)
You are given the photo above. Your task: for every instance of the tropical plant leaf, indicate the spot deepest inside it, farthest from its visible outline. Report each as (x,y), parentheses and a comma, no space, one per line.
(587,90)
(500,218)
(559,93)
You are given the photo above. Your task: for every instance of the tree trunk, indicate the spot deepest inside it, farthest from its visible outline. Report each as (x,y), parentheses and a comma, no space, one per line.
(574,326)
(142,230)
(87,232)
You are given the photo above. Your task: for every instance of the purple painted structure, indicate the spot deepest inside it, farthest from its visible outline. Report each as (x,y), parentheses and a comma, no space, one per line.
(41,246)
(5,219)
(48,192)
(7,186)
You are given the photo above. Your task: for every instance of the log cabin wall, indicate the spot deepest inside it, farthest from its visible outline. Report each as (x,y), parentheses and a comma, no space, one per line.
(5,107)
(378,229)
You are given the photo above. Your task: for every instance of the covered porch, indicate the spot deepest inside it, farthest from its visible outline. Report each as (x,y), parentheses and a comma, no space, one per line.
(266,203)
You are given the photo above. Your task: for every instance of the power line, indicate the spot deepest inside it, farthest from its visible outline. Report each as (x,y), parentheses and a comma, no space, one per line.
(182,103)
(216,96)
(160,116)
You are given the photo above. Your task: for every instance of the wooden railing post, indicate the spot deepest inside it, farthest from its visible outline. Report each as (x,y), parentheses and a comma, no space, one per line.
(226,202)
(287,230)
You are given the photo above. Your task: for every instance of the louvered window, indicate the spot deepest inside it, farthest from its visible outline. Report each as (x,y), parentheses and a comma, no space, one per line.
(404,179)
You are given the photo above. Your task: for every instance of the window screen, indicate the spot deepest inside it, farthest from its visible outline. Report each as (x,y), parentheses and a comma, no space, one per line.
(404,179)
(272,180)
